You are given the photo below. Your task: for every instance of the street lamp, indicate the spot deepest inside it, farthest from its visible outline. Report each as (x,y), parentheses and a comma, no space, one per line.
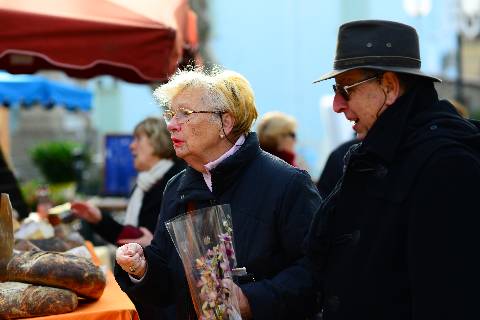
(469,25)
(417,8)
(469,18)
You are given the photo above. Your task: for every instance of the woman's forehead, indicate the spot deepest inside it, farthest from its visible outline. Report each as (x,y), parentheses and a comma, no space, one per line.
(192,99)
(189,95)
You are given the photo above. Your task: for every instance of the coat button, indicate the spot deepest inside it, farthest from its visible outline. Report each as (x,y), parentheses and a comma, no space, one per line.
(433,127)
(333,303)
(381,171)
(355,237)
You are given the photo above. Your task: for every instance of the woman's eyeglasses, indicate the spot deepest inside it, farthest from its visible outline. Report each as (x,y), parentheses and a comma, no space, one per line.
(343,90)
(182,114)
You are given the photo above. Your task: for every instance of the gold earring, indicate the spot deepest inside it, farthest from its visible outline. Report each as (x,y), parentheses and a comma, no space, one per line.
(222,136)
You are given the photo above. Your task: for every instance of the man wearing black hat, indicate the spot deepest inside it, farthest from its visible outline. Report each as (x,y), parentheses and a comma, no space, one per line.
(397,238)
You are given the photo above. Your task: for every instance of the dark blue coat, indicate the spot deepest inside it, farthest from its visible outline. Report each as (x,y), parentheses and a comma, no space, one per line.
(398,237)
(272,204)
(333,169)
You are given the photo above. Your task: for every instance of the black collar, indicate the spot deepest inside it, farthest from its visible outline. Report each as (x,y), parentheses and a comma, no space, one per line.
(386,135)
(192,184)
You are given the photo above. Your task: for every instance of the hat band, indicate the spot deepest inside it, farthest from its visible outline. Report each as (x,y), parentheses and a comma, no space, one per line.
(380,61)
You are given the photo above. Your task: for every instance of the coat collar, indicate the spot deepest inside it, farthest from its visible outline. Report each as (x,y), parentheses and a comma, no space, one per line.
(193,186)
(388,132)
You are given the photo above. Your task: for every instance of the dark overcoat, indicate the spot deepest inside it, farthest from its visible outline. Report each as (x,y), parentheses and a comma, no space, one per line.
(333,169)
(272,204)
(398,237)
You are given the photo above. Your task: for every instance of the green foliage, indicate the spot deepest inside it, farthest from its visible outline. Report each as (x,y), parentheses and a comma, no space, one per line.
(475,114)
(29,189)
(56,160)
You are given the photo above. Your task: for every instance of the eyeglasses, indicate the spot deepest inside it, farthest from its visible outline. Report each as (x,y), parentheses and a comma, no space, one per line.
(343,90)
(182,114)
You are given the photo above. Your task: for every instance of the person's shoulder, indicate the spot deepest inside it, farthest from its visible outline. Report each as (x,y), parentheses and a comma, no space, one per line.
(454,150)
(278,168)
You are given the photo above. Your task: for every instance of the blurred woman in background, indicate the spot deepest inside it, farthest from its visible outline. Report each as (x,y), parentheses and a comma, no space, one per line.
(277,135)
(155,160)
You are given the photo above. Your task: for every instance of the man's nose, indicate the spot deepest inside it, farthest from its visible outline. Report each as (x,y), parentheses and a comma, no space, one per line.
(339,103)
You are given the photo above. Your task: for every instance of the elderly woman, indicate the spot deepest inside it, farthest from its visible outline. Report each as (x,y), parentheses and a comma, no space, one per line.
(276,133)
(154,159)
(209,117)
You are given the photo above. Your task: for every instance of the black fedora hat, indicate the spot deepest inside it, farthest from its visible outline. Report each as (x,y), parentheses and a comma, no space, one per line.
(377,44)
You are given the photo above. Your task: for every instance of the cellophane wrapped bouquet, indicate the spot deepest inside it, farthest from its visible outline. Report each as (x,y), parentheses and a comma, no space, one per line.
(204,241)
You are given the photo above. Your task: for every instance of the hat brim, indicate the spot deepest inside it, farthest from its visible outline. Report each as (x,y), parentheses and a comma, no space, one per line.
(411,71)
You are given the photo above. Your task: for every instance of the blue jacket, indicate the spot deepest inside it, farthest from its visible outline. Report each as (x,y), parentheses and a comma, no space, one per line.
(272,204)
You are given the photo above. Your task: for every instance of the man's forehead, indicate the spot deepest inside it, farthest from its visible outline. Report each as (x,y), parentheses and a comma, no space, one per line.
(350,75)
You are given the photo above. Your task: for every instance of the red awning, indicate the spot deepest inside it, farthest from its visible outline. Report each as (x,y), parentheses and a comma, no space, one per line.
(135,40)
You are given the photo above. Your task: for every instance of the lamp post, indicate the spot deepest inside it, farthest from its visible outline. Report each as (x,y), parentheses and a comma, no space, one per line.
(469,26)
(469,18)
(417,8)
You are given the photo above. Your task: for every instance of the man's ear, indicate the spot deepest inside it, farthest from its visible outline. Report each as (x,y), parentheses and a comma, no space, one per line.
(228,122)
(391,86)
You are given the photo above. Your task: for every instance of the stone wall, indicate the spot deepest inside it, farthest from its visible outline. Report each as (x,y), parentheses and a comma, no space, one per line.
(38,124)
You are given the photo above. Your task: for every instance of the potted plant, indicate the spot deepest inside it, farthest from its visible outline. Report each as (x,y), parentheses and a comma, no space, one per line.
(60,162)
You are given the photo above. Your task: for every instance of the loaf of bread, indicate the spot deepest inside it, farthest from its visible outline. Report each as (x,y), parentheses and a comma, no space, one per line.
(59,270)
(22,300)
(24,245)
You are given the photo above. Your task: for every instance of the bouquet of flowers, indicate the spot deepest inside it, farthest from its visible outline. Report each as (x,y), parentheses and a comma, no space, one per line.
(204,241)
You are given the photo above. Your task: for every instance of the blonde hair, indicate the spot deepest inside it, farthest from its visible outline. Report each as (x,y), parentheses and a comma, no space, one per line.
(272,127)
(225,90)
(156,131)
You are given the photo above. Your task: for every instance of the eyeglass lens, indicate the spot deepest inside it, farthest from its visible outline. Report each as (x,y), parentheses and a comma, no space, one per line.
(341,90)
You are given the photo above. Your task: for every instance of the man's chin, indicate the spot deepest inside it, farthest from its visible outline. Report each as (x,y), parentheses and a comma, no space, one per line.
(361,135)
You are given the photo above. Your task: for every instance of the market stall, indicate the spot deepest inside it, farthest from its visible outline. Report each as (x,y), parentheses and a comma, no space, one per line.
(18,90)
(138,41)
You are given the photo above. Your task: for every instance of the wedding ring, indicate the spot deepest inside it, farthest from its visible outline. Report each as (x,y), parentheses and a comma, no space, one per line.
(132,269)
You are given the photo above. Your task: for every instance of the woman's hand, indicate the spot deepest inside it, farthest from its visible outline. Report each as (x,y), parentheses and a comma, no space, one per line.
(243,303)
(86,211)
(131,259)
(144,240)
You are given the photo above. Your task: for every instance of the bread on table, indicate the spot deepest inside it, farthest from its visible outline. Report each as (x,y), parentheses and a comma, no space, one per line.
(59,270)
(23,300)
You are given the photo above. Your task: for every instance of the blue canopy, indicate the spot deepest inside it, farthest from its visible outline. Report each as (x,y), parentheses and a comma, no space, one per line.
(29,89)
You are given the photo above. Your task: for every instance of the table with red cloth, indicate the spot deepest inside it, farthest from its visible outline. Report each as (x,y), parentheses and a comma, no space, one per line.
(114,304)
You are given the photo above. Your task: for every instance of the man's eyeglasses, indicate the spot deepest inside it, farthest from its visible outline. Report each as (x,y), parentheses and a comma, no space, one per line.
(182,114)
(343,90)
